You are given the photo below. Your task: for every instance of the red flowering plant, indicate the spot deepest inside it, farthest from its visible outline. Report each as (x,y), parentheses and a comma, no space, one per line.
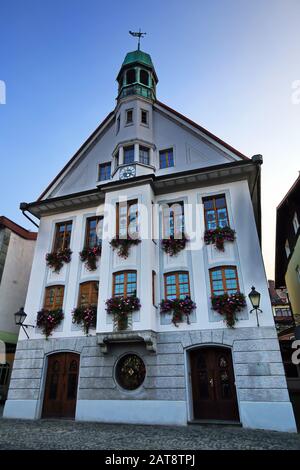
(47,320)
(120,307)
(89,256)
(123,245)
(218,236)
(179,308)
(85,316)
(173,245)
(228,305)
(56,259)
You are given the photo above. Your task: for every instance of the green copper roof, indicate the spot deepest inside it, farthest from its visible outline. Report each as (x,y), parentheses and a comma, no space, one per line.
(138,56)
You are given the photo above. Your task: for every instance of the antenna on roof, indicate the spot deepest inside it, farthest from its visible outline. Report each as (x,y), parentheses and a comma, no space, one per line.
(138,34)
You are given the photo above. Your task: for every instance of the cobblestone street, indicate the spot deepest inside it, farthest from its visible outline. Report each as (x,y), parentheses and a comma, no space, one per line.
(54,434)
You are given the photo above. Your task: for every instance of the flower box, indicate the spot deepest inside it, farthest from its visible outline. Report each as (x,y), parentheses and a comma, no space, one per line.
(121,307)
(228,305)
(122,245)
(48,320)
(56,259)
(89,256)
(218,236)
(86,317)
(172,246)
(179,308)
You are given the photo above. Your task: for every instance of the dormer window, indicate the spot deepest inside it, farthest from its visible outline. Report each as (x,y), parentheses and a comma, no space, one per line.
(128,155)
(129,116)
(144,77)
(130,76)
(144,117)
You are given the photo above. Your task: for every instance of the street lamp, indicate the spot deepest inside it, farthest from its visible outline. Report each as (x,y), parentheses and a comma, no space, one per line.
(20,317)
(254,297)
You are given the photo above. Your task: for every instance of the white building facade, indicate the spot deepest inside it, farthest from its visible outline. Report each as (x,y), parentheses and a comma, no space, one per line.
(142,160)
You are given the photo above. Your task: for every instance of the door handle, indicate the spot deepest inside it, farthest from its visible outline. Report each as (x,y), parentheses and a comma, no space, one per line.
(211,382)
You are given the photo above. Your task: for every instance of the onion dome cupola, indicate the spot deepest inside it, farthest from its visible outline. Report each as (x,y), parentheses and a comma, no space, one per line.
(137,76)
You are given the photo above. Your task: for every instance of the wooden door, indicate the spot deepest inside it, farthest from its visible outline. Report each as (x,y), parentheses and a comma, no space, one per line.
(214,393)
(61,386)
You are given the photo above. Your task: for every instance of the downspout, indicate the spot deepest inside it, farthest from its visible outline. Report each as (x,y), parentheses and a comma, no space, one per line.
(24,208)
(257,160)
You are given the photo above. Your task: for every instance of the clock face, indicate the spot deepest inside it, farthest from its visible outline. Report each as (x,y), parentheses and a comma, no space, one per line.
(127,172)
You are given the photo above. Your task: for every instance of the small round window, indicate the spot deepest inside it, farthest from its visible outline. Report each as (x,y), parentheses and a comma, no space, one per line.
(130,372)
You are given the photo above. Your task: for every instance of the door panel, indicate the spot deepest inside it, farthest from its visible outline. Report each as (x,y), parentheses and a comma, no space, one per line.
(61,386)
(214,394)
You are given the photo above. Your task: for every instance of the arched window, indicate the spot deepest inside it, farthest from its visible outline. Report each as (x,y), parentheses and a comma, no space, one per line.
(177,285)
(224,280)
(88,293)
(124,284)
(130,76)
(54,296)
(144,77)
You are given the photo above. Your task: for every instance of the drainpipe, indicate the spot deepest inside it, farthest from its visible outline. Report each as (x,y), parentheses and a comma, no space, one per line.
(24,208)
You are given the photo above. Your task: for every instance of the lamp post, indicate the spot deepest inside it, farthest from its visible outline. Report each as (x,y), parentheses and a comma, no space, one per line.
(20,317)
(254,297)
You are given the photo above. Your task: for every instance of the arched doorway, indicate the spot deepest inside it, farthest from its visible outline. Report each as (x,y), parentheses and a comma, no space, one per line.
(61,386)
(213,387)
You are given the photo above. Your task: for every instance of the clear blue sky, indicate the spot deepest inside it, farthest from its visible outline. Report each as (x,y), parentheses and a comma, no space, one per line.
(227,64)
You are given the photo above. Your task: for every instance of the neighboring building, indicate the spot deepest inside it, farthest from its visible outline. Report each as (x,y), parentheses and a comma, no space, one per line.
(16,255)
(283,315)
(287,258)
(149,170)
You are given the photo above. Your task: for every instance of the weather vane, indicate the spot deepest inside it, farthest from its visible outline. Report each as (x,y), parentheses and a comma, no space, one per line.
(138,34)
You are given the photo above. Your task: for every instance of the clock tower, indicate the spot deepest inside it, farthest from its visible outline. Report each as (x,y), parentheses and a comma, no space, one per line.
(134,152)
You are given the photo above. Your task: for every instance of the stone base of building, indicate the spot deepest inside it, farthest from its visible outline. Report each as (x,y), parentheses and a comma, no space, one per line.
(165,397)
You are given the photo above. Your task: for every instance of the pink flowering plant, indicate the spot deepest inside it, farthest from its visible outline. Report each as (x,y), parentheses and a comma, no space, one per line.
(218,236)
(122,245)
(89,256)
(179,308)
(228,305)
(120,307)
(85,316)
(172,246)
(56,259)
(48,320)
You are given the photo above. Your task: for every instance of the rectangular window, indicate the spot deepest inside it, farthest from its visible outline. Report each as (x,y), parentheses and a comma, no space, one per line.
(166,158)
(177,285)
(282,312)
(173,220)
(104,171)
(129,116)
(128,155)
(153,287)
(124,284)
(144,155)
(88,293)
(127,219)
(62,236)
(144,117)
(215,212)
(54,296)
(224,280)
(93,234)
(296,223)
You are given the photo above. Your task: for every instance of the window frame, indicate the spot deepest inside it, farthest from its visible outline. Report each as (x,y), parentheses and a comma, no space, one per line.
(124,152)
(127,112)
(215,209)
(173,216)
(90,293)
(161,152)
(56,244)
(128,205)
(222,268)
(296,224)
(125,273)
(144,148)
(87,230)
(104,165)
(147,117)
(177,283)
(56,305)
